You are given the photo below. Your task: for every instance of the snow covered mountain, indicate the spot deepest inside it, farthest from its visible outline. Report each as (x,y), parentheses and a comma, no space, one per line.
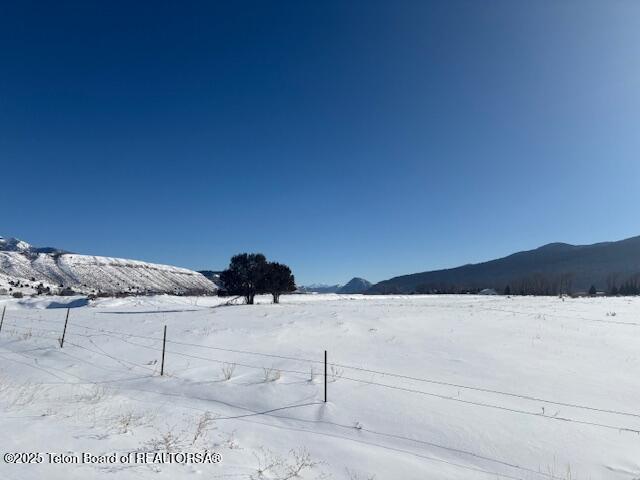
(14,245)
(319,288)
(25,266)
(355,285)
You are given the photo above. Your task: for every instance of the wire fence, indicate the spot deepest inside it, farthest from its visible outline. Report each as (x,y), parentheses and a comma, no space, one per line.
(77,333)
(338,371)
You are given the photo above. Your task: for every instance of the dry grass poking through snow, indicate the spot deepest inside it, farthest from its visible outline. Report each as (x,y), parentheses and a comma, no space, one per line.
(275,467)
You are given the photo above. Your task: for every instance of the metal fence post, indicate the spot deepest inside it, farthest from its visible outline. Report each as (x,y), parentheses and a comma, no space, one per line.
(2,320)
(325,376)
(64,332)
(164,343)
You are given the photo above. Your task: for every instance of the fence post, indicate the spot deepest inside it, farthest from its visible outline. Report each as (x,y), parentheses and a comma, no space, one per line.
(64,332)
(2,320)
(164,343)
(325,376)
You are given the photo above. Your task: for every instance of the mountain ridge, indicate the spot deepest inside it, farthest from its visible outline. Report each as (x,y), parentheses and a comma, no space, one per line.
(36,268)
(561,266)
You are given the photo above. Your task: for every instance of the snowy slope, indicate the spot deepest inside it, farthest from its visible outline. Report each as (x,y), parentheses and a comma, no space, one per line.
(85,273)
(485,387)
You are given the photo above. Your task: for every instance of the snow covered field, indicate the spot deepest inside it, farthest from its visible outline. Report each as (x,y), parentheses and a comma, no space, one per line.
(482,387)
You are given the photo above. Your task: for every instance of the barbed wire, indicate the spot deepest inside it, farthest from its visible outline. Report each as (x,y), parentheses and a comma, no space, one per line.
(289,407)
(391,374)
(119,336)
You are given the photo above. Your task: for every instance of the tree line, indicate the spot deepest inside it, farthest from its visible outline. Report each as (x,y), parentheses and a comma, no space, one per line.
(616,285)
(250,274)
(539,284)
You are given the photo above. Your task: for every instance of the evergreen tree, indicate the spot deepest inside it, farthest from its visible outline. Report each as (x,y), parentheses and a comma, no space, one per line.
(278,279)
(593,291)
(245,276)
(507,290)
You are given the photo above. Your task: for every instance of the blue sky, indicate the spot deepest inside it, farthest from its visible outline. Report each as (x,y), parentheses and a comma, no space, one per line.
(343,138)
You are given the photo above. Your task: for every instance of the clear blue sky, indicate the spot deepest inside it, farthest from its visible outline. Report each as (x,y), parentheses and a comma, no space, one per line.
(343,138)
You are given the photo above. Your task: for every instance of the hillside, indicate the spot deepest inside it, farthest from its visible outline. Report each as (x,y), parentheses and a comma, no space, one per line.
(548,269)
(23,267)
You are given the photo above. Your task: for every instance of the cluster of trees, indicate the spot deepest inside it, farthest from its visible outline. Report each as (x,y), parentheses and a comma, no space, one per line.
(628,286)
(432,289)
(534,284)
(626,289)
(542,284)
(562,284)
(250,274)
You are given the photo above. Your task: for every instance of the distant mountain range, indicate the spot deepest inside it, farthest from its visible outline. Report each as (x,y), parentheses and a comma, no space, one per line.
(319,288)
(212,275)
(25,267)
(353,286)
(549,269)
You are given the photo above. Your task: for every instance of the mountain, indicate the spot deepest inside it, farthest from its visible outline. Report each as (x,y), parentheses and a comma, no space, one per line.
(213,276)
(15,245)
(355,285)
(549,269)
(27,266)
(319,288)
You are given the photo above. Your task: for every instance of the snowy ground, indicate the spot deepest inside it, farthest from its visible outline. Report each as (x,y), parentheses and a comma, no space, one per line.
(519,388)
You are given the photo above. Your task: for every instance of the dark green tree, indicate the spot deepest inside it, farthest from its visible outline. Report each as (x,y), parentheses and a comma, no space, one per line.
(593,291)
(507,290)
(623,290)
(278,279)
(245,276)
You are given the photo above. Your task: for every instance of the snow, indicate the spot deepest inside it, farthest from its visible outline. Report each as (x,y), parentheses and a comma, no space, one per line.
(87,274)
(554,385)
(44,302)
(14,245)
